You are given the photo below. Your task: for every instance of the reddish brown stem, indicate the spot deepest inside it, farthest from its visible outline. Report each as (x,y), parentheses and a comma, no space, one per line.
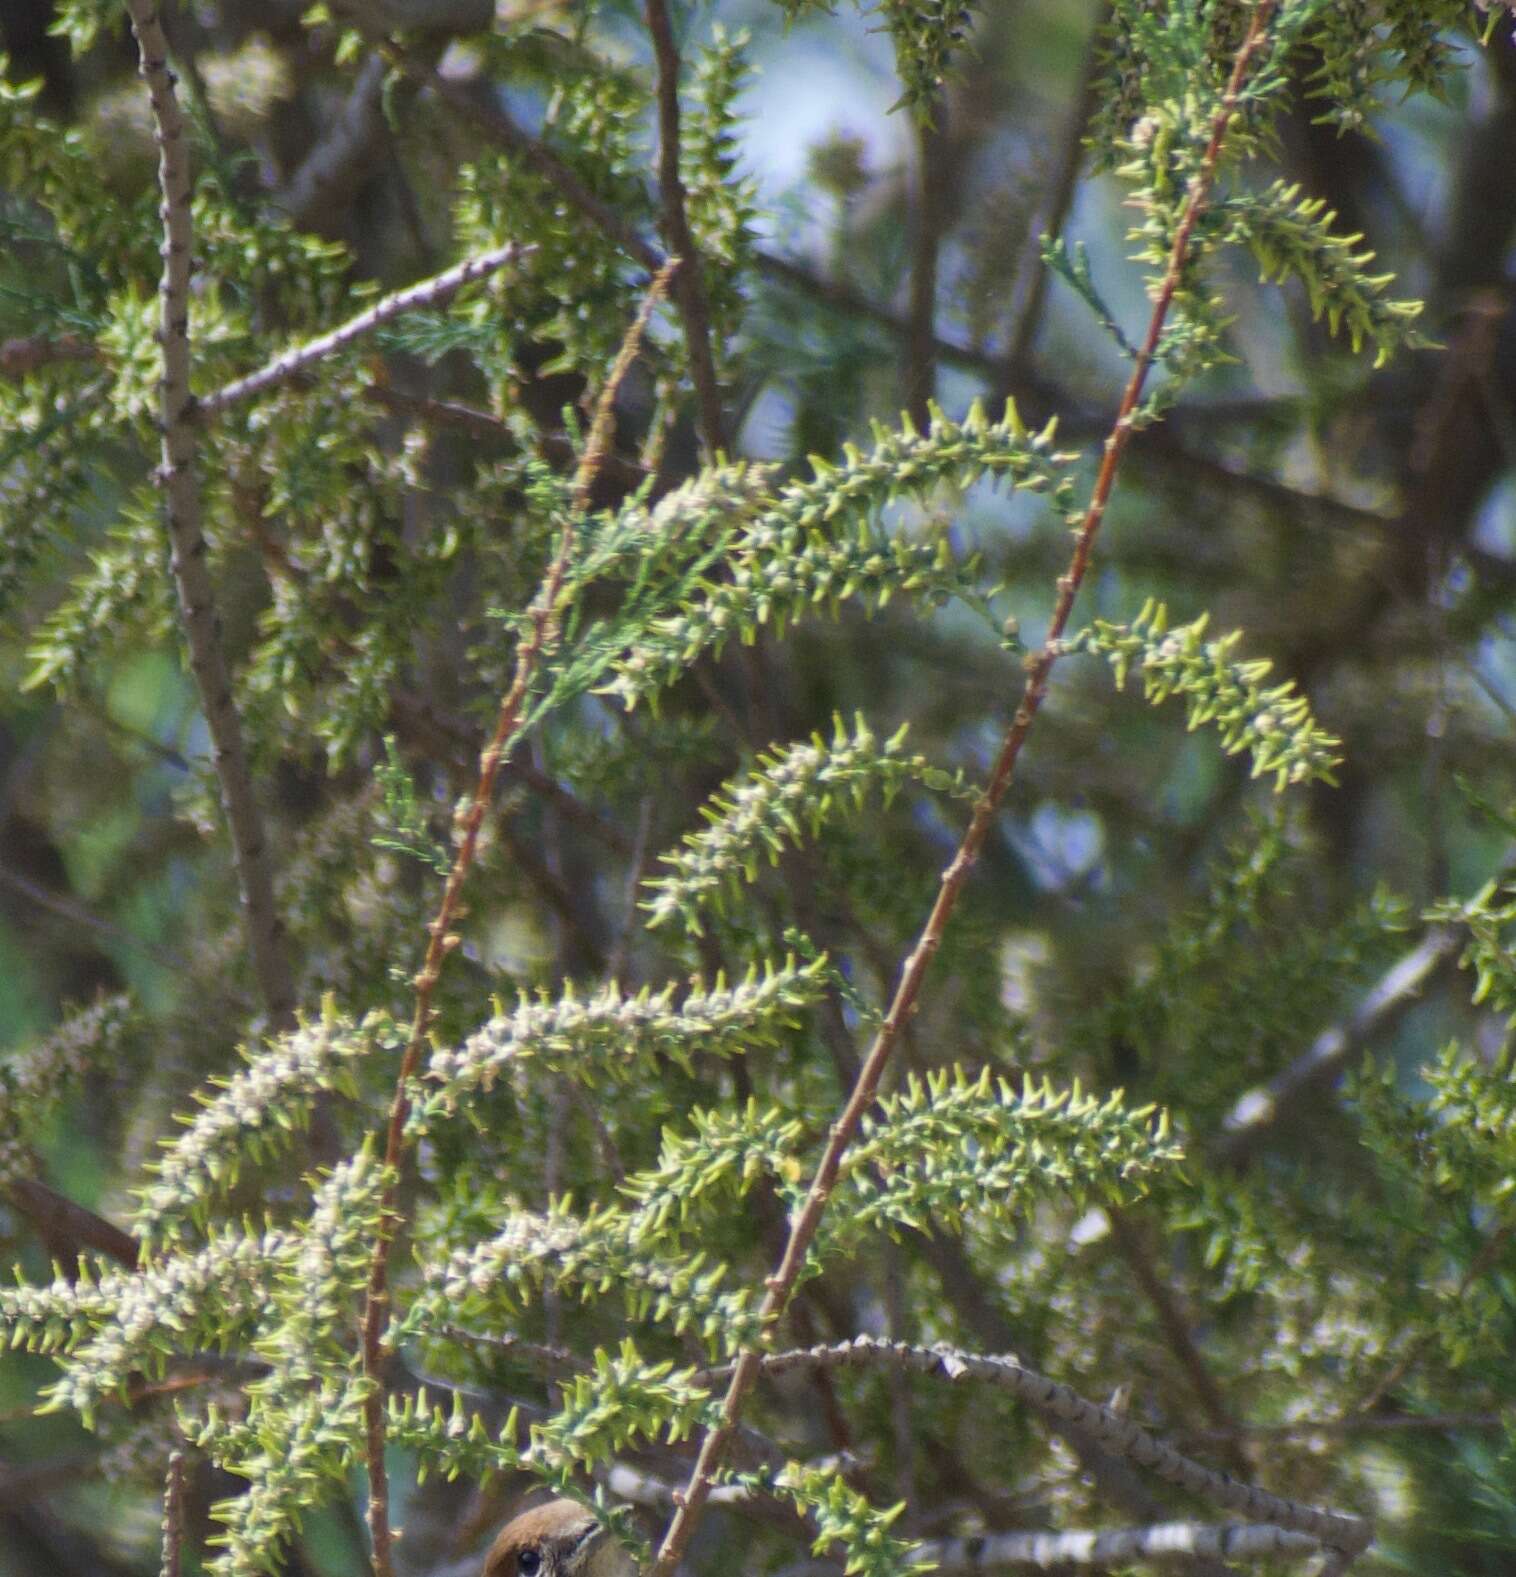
(542,634)
(689,288)
(1039,667)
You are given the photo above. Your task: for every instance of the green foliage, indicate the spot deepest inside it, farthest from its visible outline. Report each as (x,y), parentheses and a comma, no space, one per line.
(294,1456)
(34,1082)
(1292,238)
(112,1324)
(845,1518)
(408,832)
(762,813)
(1274,725)
(1487,916)
(253,1118)
(721,202)
(613,1036)
(586,1256)
(940,1151)
(600,1152)
(818,543)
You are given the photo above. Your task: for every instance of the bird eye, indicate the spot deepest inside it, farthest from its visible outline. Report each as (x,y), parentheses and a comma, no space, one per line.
(529,1563)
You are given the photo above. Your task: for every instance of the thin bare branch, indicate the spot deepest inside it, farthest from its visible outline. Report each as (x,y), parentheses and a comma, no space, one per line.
(1029,288)
(73,913)
(807,1219)
(67,1229)
(689,285)
(173,1516)
(487,114)
(338,160)
(414,298)
(543,618)
(19,357)
(1255,1115)
(1128,1238)
(197,600)
(1161,1543)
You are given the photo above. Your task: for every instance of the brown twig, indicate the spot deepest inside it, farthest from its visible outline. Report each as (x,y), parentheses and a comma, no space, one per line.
(542,634)
(197,600)
(67,1228)
(19,357)
(427,293)
(1029,287)
(1256,1114)
(1128,1238)
(490,117)
(1039,668)
(73,913)
(173,1516)
(689,286)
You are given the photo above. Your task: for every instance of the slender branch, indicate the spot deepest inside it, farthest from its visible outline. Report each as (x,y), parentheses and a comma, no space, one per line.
(427,293)
(1111,1429)
(19,357)
(1176,1329)
(197,601)
(689,286)
(173,1516)
(336,163)
(1356,1424)
(487,114)
(1255,1115)
(542,1356)
(440,413)
(1029,288)
(1162,1542)
(77,914)
(67,1228)
(1039,667)
(543,618)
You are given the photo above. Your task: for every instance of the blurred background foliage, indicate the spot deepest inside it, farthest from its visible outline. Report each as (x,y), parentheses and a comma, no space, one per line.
(1146,916)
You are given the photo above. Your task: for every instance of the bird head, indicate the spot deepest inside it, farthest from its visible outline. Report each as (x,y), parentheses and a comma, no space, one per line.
(559,1539)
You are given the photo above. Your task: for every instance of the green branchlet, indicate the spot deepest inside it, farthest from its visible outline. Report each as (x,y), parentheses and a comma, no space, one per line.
(938,1151)
(255,1115)
(293,1457)
(793,791)
(1292,238)
(610,1035)
(721,203)
(587,1256)
(1489,917)
(846,1519)
(1274,725)
(817,543)
(135,1323)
